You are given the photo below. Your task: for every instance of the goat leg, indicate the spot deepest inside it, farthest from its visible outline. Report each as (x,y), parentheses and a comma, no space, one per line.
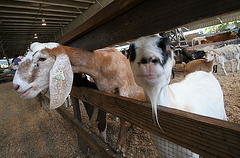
(122,139)
(93,120)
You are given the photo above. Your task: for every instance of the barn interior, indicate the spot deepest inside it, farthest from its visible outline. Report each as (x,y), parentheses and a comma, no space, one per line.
(96,24)
(23,22)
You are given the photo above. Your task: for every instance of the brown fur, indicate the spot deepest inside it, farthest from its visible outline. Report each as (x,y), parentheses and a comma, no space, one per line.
(197,65)
(110,70)
(217,38)
(221,37)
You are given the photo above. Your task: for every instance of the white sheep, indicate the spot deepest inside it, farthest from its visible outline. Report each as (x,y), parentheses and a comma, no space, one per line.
(198,65)
(224,54)
(52,65)
(199,93)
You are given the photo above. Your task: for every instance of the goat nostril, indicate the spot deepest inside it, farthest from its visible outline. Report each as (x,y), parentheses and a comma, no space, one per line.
(151,59)
(144,60)
(16,87)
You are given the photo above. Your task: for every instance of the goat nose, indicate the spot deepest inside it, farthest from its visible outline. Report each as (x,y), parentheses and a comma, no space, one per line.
(16,87)
(150,59)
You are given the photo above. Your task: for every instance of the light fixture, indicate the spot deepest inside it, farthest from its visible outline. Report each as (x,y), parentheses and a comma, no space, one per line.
(35,36)
(44,22)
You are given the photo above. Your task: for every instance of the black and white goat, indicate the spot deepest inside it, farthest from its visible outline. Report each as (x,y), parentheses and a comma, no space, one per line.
(200,93)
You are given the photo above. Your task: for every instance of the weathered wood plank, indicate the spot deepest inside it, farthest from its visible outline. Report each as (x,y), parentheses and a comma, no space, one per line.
(94,142)
(206,136)
(108,13)
(148,17)
(97,144)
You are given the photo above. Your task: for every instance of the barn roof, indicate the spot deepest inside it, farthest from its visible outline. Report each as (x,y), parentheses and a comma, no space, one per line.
(21,20)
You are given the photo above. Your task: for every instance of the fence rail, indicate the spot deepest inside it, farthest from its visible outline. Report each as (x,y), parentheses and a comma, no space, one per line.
(206,136)
(88,137)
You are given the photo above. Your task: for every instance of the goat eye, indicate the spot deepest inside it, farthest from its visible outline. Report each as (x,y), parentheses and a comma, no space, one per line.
(42,59)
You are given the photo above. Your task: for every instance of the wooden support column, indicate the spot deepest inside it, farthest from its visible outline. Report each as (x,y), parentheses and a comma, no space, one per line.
(77,115)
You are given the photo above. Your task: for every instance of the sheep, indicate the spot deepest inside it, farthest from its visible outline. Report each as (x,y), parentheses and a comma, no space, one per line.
(224,54)
(198,65)
(52,65)
(200,92)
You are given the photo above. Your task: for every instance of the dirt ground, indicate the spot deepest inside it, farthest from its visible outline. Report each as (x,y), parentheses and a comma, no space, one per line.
(28,130)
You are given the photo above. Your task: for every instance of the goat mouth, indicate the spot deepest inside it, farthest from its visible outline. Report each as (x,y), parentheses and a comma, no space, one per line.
(26,93)
(149,76)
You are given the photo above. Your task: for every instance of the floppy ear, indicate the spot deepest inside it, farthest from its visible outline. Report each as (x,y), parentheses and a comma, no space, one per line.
(61,79)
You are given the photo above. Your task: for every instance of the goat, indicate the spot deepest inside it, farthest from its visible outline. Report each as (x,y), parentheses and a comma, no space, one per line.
(214,38)
(200,92)
(224,54)
(191,54)
(197,65)
(52,65)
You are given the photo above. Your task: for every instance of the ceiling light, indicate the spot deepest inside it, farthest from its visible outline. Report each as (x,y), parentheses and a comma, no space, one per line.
(35,36)
(44,22)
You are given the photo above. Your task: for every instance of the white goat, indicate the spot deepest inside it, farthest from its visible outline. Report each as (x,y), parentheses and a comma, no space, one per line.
(199,93)
(224,54)
(52,65)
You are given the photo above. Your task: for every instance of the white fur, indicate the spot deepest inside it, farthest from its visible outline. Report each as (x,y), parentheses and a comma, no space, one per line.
(109,68)
(224,54)
(42,79)
(198,93)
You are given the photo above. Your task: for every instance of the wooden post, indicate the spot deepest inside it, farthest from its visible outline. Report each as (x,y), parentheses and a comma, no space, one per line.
(77,115)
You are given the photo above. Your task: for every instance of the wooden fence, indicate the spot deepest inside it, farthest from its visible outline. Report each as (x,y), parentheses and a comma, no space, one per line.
(206,136)
(122,21)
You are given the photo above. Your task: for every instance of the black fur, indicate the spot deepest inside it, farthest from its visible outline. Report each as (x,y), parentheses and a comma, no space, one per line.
(164,44)
(132,53)
(198,54)
(78,81)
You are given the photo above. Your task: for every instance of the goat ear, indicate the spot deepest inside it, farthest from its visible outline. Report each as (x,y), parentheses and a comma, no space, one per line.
(61,79)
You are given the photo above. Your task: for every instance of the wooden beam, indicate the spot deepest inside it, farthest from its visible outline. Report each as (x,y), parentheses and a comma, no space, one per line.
(206,136)
(9,4)
(27,16)
(97,144)
(61,3)
(106,14)
(107,28)
(31,12)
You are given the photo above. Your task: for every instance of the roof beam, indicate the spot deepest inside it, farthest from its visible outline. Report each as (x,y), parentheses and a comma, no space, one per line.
(27,29)
(22,16)
(31,21)
(22,5)
(31,27)
(29,24)
(147,18)
(61,3)
(43,13)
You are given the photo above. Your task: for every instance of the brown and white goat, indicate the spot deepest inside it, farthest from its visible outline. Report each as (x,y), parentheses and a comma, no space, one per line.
(52,65)
(198,65)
